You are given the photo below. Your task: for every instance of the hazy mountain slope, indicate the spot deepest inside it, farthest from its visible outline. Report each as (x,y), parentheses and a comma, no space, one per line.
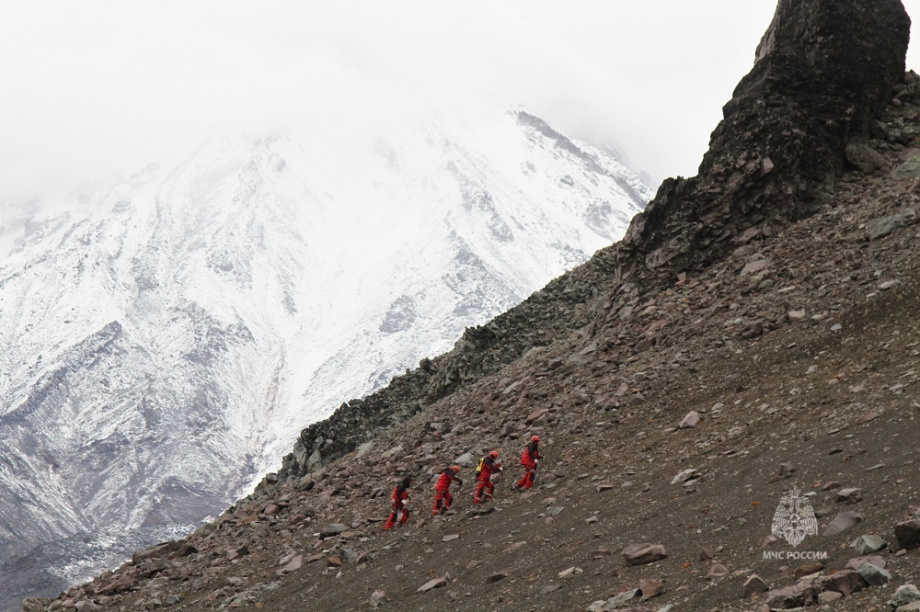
(774,300)
(169,336)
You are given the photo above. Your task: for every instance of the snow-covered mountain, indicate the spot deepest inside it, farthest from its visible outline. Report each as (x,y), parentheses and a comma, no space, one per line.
(165,340)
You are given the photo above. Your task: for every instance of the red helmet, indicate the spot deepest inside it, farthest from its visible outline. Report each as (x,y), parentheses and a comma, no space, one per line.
(494,454)
(535,439)
(455,468)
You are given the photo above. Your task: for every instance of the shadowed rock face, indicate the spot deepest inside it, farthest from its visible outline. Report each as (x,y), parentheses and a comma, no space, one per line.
(824,70)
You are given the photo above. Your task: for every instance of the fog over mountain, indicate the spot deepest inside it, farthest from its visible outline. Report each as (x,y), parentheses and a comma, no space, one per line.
(170,335)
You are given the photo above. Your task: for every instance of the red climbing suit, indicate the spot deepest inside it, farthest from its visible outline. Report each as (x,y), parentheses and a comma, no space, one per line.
(529,460)
(442,498)
(490,464)
(400,500)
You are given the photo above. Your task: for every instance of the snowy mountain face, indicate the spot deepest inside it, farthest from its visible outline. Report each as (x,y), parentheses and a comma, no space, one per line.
(165,341)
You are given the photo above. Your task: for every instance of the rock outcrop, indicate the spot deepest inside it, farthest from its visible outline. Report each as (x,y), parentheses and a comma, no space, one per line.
(824,71)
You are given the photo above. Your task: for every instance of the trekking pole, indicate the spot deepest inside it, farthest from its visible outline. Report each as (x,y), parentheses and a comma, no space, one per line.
(536,470)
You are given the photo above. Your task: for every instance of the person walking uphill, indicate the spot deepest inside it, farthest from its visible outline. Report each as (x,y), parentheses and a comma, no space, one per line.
(530,459)
(400,504)
(487,466)
(442,498)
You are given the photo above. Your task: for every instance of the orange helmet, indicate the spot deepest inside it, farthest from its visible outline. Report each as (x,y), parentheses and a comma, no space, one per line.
(455,468)
(535,439)
(494,454)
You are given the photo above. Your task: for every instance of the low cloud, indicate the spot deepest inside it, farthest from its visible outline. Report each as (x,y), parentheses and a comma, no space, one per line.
(94,89)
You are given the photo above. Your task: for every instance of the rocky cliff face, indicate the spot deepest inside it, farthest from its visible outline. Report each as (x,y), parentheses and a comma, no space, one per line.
(823,72)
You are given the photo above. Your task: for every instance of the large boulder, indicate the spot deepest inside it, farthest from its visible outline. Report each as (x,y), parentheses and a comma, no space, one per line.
(908,533)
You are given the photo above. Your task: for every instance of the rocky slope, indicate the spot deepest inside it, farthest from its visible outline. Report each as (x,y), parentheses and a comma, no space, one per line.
(764,337)
(165,339)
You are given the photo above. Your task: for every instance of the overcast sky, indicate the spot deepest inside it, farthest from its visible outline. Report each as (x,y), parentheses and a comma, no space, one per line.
(88,88)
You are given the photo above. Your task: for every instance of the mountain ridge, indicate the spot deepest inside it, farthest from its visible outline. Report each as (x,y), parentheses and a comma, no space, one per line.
(168,331)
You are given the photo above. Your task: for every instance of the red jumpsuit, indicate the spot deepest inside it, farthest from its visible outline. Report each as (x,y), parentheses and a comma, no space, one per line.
(442,498)
(400,499)
(529,460)
(489,465)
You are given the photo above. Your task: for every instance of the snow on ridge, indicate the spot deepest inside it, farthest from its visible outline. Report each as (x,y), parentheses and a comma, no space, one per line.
(172,335)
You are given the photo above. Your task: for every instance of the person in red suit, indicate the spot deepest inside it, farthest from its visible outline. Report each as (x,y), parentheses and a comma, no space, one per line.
(489,465)
(400,504)
(530,459)
(442,497)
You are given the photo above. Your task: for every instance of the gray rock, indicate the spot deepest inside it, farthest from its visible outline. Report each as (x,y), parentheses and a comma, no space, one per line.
(845,582)
(641,554)
(796,596)
(754,585)
(850,495)
(908,170)
(874,576)
(35,604)
(582,357)
(842,522)
(755,266)
(159,550)
(864,158)
(908,533)
(875,560)
(434,583)
(691,420)
(315,461)
(619,600)
(717,571)
(868,544)
(879,228)
(332,530)
(465,460)
(349,555)
(292,566)
(906,594)
(686,475)
(378,598)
